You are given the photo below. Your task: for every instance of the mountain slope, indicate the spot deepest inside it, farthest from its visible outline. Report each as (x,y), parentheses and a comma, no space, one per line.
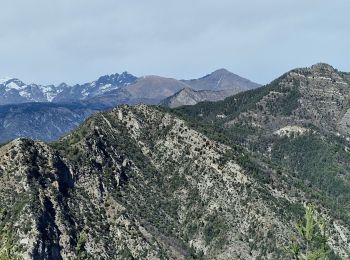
(138,182)
(318,95)
(147,90)
(155,89)
(298,122)
(42,121)
(187,96)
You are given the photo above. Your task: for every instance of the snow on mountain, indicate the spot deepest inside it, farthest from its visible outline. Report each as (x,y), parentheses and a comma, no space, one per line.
(13,85)
(13,91)
(92,89)
(5,79)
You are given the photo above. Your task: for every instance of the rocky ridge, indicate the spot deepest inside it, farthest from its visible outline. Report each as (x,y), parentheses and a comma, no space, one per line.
(139,182)
(297,122)
(318,95)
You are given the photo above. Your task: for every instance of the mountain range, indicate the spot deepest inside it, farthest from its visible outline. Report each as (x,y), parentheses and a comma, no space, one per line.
(24,114)
(216,180)
(151,88)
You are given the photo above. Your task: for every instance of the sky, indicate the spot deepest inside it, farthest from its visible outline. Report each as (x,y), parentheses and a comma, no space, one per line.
(76,41)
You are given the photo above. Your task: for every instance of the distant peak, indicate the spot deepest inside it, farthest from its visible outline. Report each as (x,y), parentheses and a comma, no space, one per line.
(116,78)
(218,74)
(222,70)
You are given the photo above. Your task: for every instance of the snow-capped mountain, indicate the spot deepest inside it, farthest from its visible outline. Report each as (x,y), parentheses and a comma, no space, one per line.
(88,90)
(14,91)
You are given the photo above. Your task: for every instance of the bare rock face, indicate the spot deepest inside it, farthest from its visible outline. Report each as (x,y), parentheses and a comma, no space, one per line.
(137,182)
(42,121)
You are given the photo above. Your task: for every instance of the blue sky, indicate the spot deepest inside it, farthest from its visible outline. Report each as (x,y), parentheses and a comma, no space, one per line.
(78,40)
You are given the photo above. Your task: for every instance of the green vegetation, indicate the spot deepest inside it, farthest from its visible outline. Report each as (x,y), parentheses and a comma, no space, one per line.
(320,163)
(312,241)
(232,107)
(162,189)
(80,248)
(284,105)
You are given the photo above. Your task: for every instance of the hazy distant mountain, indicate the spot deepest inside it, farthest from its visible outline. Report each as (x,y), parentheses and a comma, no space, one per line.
(188,96)
(14,91)
(213,87)
(42,121)
(47,121)
(92,89)
(153,89)
(221,79)
(147,90)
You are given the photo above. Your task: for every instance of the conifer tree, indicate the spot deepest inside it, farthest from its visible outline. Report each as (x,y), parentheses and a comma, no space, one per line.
(311,243)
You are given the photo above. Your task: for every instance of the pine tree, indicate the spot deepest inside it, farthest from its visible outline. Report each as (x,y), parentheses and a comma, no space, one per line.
(311,244)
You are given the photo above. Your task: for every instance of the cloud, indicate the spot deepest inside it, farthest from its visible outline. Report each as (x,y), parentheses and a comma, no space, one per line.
(76,41)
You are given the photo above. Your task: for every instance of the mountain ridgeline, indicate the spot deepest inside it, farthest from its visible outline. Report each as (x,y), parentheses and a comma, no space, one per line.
(14,91)
(216,180)
(69,106)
